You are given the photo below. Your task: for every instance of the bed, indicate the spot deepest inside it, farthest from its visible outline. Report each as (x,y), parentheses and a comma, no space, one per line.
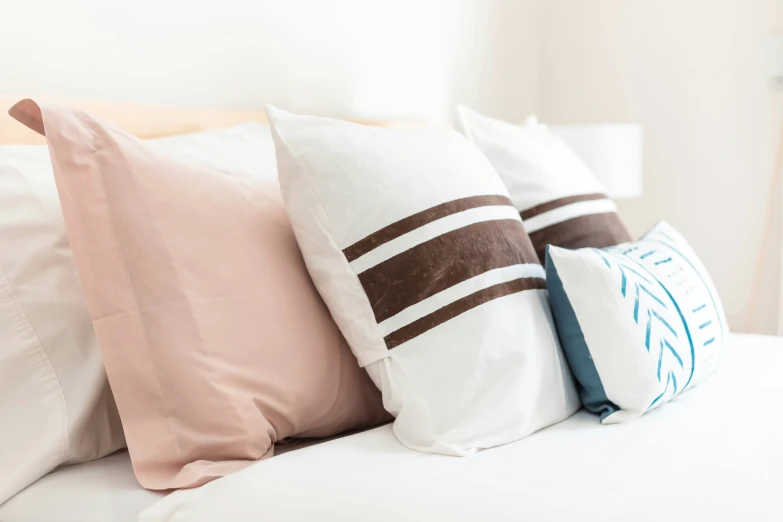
(713,454)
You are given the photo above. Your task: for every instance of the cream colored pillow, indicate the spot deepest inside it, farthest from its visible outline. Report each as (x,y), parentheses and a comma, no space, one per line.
(55,402)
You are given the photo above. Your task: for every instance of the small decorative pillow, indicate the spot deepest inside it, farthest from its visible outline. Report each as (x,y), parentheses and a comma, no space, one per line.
(639,322)
(413,242)
(561,201)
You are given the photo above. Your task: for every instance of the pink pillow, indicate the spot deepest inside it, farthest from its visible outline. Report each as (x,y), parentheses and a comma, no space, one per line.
(216,343)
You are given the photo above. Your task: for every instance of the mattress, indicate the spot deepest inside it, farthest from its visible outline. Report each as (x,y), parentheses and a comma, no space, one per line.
(715,454)
(101,491)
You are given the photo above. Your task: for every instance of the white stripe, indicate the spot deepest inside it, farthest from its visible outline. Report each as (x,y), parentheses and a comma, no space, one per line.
(458,291)
(430,231)
(564,213)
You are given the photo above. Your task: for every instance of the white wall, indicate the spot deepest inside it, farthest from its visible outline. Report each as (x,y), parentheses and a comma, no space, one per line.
(497,57)
(692,73)
(370,58)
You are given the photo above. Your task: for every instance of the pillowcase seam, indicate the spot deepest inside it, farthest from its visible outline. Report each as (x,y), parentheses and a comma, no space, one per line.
(25,324)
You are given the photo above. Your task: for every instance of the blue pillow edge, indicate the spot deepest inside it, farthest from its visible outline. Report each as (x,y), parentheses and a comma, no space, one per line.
(572,340)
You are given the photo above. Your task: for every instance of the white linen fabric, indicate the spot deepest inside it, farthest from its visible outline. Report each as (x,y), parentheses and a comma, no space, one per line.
(55,402)
(712,454)
(412,241)
(103,490)
(639,322)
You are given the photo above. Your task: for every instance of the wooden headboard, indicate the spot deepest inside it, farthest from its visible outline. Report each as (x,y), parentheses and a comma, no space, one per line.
(144,121)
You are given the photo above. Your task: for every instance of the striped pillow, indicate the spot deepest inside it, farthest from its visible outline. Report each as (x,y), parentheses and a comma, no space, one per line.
(561,201)
(423,261)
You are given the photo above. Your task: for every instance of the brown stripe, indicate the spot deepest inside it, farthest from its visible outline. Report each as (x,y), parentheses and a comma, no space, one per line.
(442,262)
(592,230)
(460,306)
(420,219)
(557,203)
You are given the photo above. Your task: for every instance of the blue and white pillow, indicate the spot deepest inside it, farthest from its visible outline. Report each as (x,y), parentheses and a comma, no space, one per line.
(639,322)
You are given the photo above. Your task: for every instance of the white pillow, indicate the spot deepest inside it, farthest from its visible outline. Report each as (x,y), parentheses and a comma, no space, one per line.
(561,201)
(55,403)
(411,239)
(247,148)
(640,322)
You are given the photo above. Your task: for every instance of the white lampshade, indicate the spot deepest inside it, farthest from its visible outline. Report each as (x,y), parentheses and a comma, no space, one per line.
(775,59)
(613,153)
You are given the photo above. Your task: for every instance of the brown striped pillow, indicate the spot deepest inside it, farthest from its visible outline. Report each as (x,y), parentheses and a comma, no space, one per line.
(414,244)
(560,200)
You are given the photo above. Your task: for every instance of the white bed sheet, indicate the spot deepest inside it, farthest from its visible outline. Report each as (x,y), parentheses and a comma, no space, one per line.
(713,454)
(104,490)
